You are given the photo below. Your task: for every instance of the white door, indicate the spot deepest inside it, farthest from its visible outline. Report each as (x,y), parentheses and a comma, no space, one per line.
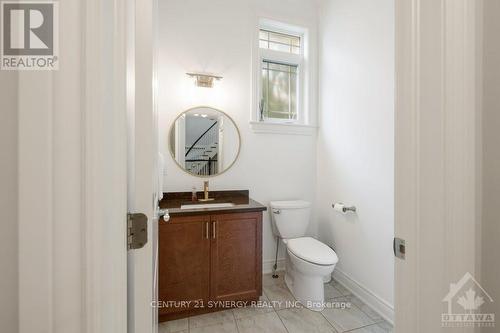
(436,148)
(142,163)
(72,174)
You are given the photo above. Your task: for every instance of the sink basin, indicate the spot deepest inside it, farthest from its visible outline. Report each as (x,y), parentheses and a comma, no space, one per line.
(208,205)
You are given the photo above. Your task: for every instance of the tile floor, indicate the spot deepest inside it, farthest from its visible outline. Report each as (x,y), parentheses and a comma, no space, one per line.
(280,314)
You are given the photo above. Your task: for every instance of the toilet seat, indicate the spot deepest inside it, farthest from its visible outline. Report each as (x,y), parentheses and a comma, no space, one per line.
(312,250)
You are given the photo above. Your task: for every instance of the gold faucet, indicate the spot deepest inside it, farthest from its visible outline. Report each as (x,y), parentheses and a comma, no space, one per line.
(205,190)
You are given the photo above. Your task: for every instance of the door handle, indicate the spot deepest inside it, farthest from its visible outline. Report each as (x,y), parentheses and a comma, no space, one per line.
(207,230)
(214,229)
(163,213)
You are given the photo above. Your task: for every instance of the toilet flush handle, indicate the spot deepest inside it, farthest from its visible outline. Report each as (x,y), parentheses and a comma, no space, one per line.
(276,211)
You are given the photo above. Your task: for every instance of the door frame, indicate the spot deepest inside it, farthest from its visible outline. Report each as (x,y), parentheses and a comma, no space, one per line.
(143,194)
(437,150)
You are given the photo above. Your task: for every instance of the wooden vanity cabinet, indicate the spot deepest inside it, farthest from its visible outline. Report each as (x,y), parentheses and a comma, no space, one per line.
(207,258)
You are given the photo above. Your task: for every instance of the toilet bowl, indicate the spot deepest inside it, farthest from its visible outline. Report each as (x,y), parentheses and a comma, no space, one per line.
(309,262)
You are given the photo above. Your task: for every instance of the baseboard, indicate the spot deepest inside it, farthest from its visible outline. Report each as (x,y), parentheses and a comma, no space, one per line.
(382,307)
(267,266)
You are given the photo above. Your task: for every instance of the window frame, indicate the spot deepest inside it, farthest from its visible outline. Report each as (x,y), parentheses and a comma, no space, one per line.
(286,58)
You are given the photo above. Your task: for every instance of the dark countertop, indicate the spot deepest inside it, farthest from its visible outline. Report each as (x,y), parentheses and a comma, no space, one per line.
(243,203)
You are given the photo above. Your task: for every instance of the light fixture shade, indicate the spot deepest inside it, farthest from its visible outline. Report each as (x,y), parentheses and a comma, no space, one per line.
(204,80)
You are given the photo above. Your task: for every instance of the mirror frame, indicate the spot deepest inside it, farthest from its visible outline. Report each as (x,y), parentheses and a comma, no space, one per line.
(218,110)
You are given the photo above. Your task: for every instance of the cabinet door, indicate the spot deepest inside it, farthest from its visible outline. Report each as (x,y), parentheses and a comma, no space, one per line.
(183,262)
(236,272)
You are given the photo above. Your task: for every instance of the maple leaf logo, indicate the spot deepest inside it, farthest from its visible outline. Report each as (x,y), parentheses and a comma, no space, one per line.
(470,301)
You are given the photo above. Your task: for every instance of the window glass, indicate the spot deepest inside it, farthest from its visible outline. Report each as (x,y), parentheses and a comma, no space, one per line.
(279,90)
(279,42)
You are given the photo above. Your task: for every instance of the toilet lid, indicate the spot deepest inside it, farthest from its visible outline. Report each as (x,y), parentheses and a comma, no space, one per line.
(312,250)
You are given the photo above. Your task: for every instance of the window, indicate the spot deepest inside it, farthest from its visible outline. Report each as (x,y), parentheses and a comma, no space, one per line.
(279,42)
(281,75)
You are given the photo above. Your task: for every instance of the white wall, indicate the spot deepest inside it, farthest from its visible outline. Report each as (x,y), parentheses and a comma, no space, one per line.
(356,140)
(216,36)
(491,156)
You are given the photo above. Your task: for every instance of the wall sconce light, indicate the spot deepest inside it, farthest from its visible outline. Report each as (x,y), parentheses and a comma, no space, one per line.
(204,80)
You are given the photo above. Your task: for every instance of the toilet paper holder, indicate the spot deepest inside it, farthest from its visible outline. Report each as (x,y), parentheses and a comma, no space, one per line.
(343,208)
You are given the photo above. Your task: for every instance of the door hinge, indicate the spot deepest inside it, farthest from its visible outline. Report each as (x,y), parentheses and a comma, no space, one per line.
(137,230)
(399,247)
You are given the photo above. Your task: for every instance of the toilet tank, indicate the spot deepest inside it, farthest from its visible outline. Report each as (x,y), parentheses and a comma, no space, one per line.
(290,218)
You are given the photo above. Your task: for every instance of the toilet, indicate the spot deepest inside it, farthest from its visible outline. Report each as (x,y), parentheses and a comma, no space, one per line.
(309,262)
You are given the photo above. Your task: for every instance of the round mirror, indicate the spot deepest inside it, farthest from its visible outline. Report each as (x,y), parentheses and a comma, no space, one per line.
(204,141)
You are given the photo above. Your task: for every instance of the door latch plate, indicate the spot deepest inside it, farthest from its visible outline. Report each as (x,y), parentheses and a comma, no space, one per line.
(399,247)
